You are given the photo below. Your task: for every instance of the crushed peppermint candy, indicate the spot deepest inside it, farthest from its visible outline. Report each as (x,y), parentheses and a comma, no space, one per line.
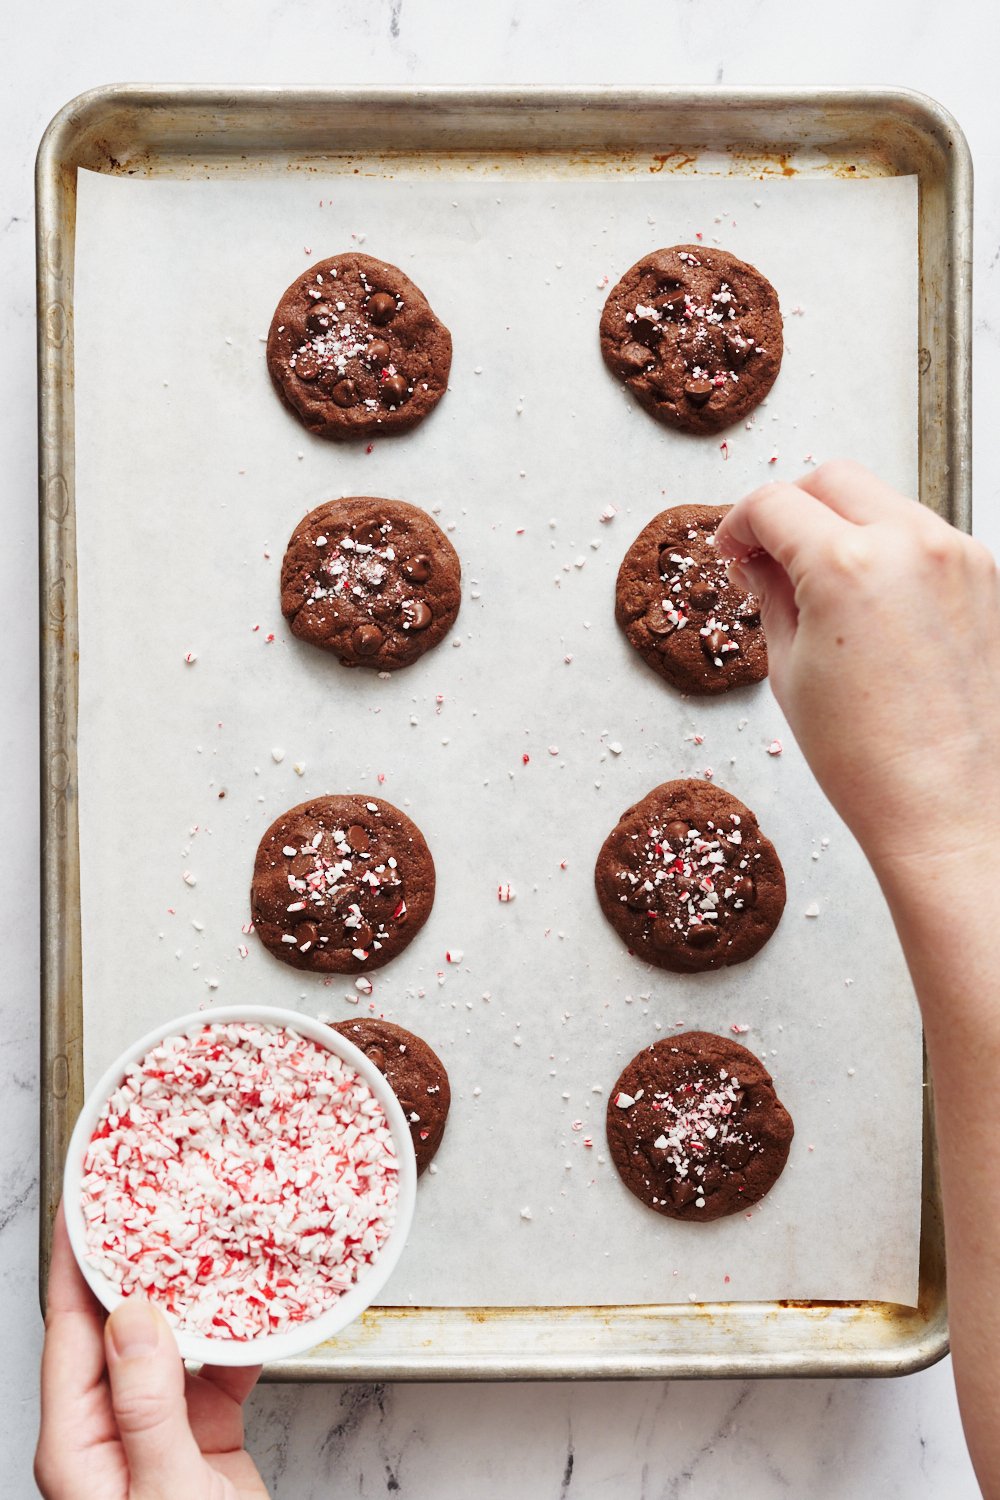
(697,592)
(242,1178)
(705,334)
(702,1121)
(338,889)
(689,879)
(370,570)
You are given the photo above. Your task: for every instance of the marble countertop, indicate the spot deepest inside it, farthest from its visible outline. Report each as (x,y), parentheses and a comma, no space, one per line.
(593,1442)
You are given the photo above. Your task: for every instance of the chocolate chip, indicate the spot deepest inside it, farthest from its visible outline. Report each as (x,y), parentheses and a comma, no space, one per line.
(393,390)
(306,932)
(357,839)
(702,935)
(345,898)
(746,891)
(682,1191)
(676,832)
(657,623)
(344,393)
(749,611)
(646,330)
(736,350)
(638,898)
(664,934)
(418,614)
(418,569)
(301,866)
(672,302)
(378,352)
(366,639)
(381,307)
(367,533)
(703,595)
(711,1178)
(698,391)
(376,1056)
(713,642)
(735,1154)
(320,318)
(687,886)
(635,357)
(306,365)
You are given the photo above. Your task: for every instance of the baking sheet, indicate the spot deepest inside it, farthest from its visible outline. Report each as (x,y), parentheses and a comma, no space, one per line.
(190,477)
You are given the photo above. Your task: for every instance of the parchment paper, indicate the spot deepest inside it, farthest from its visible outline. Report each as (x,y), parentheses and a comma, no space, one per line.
(190,478)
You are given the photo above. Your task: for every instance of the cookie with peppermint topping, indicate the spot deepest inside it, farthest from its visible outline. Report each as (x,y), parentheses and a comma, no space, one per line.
(696,1129)
(677,607)
(687,879)
(341,884)
(376,582)
(696,336)
(415,1074)
(355,349)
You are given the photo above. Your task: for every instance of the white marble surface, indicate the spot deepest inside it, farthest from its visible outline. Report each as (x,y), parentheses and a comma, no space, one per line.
(608,1442)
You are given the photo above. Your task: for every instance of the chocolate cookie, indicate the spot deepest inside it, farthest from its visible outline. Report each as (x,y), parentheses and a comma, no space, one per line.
(341,884)
(688,880)
(377,582)
(678,609)
(355,350)
(415,1074)
(696,1129)
(696,336)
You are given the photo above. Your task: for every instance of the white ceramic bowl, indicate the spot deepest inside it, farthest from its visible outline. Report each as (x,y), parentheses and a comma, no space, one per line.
(272,1346)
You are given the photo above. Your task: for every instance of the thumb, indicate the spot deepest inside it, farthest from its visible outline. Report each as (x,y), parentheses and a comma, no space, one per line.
(147,1397)
(767,580)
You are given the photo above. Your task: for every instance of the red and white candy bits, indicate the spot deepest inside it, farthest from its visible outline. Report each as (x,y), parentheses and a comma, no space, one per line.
(241,1177)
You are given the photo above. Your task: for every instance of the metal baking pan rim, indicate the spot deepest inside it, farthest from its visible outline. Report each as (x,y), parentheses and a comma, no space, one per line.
(929,142)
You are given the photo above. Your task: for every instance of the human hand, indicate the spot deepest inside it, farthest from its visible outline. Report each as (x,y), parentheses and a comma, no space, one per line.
(883,633)
(121,1419)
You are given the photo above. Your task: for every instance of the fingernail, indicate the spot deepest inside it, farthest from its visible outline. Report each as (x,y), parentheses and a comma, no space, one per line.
(134,1328)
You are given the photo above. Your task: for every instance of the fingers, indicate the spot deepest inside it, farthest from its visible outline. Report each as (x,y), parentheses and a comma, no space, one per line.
(72,1363)
(67,1290)
(236,1383)
(766,579)
(214,1403)
(147,1398)
(794,522)
(782,520)
(856,494)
